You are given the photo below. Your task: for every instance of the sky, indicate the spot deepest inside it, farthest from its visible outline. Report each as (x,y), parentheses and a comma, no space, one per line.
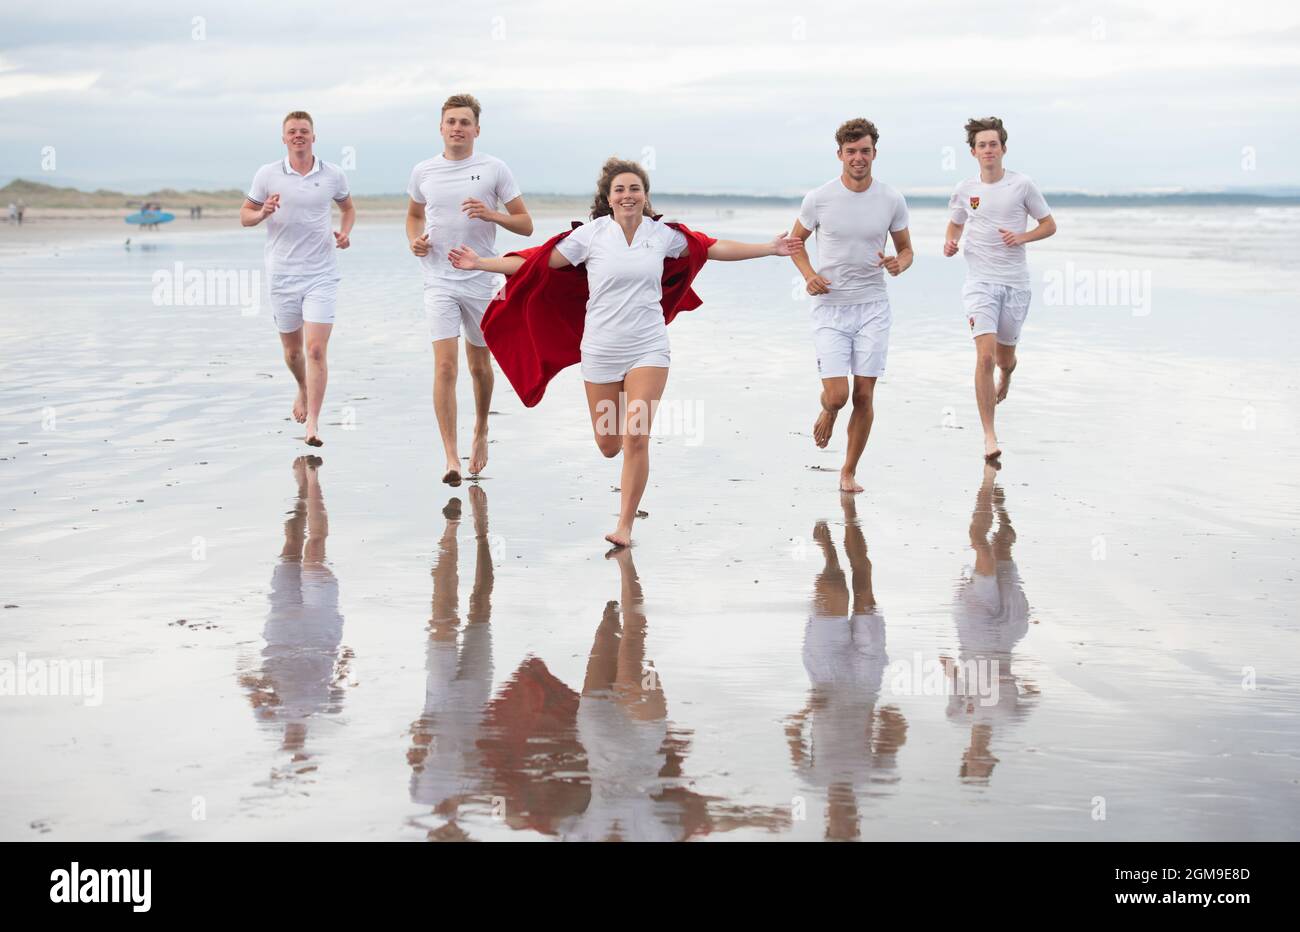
(714,97)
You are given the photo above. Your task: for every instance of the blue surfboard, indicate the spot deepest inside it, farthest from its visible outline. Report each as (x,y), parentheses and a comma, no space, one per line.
(150,216)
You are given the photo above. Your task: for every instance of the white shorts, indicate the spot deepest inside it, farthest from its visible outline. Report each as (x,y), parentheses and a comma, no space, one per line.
(996,308)
(298,298)
(851,339)
(604,368)
(447,312)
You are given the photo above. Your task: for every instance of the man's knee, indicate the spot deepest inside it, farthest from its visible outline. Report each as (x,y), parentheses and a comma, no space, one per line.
(984,360)
(863,395)
(293,355)
(444,370)
(316,351)
(835,398)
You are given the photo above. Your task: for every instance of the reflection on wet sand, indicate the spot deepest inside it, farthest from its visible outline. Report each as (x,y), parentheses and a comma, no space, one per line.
(303,670)
(446,762)
(992,614)
(840,741)
(606,764)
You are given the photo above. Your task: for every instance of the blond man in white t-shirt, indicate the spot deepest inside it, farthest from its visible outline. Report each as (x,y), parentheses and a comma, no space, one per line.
(295,197)
(454,200)
(853,216)
(997,205)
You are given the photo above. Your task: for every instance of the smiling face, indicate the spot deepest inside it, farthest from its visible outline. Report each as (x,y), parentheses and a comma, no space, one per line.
(298,135)
(627,195)
(459,128)
(988,149)
(857,156)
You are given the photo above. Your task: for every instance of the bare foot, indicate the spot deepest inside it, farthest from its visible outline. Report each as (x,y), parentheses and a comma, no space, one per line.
(313,435)
(300,407)
(1004,383)
(621,537)
(848,483)
(822,427)
(992,450)
(452,476)
(479,455)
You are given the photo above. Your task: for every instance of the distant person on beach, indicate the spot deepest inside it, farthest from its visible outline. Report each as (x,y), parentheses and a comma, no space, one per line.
(635,276)
(293,195)
(22,209)
(998,205)
(454,198)
(13,212)
(853,215)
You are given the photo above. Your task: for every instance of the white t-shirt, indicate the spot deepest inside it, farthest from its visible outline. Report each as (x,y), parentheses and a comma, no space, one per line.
(442,185)
(983,209)
(624,283)
(852,228)
(300,234)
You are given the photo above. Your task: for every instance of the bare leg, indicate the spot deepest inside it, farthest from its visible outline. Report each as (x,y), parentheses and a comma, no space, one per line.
(293,358)
(835,395)
(864,388)
(605,403)
(1006,358)
(317,338)
(444,403)
(644,387)
(985,397)
(479,359)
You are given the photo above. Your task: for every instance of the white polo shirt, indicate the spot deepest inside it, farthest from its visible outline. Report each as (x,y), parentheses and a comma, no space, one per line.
(852,229)
(983,209)
(442,185)
(299,235)
(624,282)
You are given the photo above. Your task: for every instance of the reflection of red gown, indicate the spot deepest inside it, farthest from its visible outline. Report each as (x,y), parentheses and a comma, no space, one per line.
(534,327)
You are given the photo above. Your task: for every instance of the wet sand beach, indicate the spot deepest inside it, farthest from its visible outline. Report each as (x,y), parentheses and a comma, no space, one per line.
(1099,641)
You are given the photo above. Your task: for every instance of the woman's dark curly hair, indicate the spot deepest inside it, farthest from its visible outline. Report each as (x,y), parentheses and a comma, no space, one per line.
(612,168)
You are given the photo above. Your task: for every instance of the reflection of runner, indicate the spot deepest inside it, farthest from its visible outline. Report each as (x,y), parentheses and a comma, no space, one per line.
(840,741)
(624,254)
(853,216)
(622,724)
(997,206)
(991,613)
(302,668)
(446,762)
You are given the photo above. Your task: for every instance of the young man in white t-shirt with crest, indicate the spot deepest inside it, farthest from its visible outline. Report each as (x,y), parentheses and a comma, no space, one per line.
(853,216)
(997,206)
(455,198)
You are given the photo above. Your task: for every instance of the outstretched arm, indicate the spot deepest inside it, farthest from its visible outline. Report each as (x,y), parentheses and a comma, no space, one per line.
(462,257)
(728,250)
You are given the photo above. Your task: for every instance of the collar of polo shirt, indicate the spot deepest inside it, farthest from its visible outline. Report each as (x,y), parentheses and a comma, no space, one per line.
(288,169)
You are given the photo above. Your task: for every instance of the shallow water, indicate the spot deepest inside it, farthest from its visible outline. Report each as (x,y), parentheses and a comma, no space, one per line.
(1105,627)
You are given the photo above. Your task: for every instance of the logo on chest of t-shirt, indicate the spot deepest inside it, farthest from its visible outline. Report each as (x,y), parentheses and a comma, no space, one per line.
(475,177)
(974,203)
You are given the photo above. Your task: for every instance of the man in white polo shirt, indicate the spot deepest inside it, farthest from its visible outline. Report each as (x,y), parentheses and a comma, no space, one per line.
(294,196)
(997,205)
(853,216)
(454,201)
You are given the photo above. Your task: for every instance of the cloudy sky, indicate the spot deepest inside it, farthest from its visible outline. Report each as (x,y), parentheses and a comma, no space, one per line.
(1097,96)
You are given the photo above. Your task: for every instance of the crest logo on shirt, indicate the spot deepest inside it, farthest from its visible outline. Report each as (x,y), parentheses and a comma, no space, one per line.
(974,203)
(972,322)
